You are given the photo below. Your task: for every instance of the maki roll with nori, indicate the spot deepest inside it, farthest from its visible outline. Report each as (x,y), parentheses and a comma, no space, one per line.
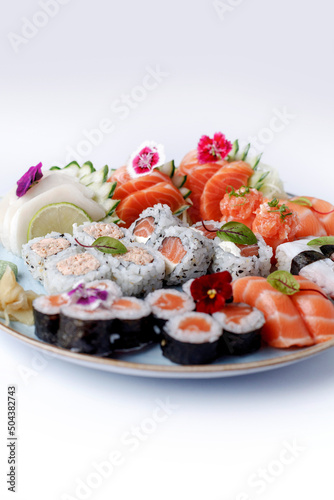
(85,329)
(191,339)
(133,324)
(46,309)
(166,303)
(242,326)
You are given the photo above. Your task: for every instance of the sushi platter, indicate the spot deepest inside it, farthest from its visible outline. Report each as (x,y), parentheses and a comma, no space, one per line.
(205,270)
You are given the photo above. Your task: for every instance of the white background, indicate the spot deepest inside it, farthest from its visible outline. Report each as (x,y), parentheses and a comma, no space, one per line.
(224,73)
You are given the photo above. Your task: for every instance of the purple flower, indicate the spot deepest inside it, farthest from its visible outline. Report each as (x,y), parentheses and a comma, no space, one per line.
(88,296)
(33,175)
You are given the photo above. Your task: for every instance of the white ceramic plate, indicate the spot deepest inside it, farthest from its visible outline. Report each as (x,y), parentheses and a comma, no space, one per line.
(150,362)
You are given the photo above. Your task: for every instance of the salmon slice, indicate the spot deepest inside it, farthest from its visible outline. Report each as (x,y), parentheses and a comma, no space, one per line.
(326,216)
(120,175)
(132,206)
(284,326)
(316,311)
(139,183)
(172,249)
(170,302)
(235,174)
(144,227)
(194,324)
(190,161)
(241,208)
(249,250)
(274,229)
(125,303)
(196,182)
(309,224)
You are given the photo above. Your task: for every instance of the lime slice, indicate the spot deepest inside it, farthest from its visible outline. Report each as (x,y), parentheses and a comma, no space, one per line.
(58,217)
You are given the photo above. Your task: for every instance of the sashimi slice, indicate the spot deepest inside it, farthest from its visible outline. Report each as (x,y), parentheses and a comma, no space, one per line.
(139,183)
(235,174)
(190,161)
(196,181)
(324,211)
(316,311)
(64,193)
(132,206)
(309,224)
(120,175)
(284,327)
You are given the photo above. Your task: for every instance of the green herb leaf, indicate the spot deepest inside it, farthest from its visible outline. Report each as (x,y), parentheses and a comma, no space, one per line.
(284,282)
(302,201)
(273,203)
(106,244)
(324,240)
(238,233)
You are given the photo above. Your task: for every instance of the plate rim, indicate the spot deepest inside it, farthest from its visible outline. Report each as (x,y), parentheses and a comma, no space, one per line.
(90,359)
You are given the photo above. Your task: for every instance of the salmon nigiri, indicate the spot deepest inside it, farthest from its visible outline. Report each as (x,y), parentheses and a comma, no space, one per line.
(284,326)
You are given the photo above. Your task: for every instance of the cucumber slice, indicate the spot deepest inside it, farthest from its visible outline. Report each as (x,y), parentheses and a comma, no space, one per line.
(99,176)
(110,205)
(168,168)
(245,152)
(72,168)
(234,151)
(111,218)
(185,192)
(179,180)
(254,162)
(181,210)
(102,191)
(55,168)
(86,169)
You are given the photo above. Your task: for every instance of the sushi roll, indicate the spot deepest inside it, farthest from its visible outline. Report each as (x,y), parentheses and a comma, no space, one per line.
(46,309)
(90,293)
(138,271)
(191,339)
(132,327)
(187,254)
(37,252)
(151,224)
(88,232)
(242,326)
(242,260)
(62,274)
(298,258)
(166,303)
(208,227)
(86,330)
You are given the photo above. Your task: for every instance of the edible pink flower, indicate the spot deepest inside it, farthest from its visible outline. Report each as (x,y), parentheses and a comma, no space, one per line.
(27,180)
(147,157)
(211,150)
